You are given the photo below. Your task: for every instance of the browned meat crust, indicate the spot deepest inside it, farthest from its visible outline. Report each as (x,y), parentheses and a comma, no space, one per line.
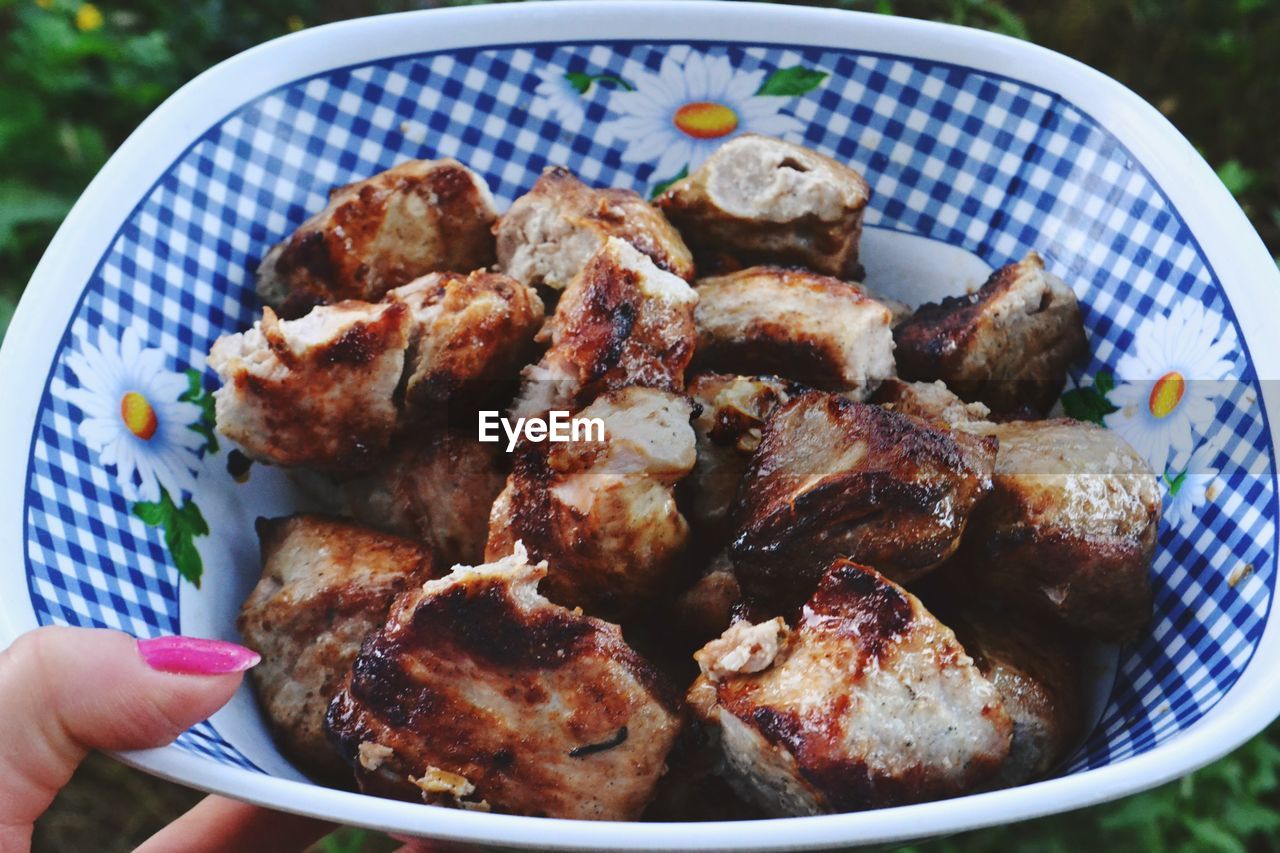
(622,321)
(437,488)
(313,392)
(468,332)
(603,513)
(551,231)
(834,477)
(758,200)
(867,702)
(540,710)
(812,328)
(731,413)
(326,585)
(1008,345)
(419,217)
(1070,527)
(330,389)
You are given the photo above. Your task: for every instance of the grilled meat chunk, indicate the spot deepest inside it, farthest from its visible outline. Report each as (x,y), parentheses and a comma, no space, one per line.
(622,321)
(603,512)
(837,478)
(551,232)
(821,331)
(437,488)
(732,411)
(322,391)
(758,200)
(1034,666)
(326,585)
(867,702)
(316,391)
(480,693)
(1007,345)
(419,217)
(468,332)
(1070,527)
(929,401)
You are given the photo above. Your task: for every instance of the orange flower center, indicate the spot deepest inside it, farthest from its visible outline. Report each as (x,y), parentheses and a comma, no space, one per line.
(138,415)
(1166,394)
(706,120)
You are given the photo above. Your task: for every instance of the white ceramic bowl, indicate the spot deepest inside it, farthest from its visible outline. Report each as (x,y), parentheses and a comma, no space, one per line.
(978,148)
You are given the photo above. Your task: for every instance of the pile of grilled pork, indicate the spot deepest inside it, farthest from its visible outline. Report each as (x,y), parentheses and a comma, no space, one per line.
(829,556)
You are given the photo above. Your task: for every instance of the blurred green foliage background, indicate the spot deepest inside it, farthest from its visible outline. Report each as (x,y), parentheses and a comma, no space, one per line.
(76,78)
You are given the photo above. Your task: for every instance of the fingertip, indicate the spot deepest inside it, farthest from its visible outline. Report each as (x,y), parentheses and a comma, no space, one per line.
(196,655)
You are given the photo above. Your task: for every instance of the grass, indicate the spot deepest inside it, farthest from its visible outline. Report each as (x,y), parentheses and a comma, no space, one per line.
(75,79)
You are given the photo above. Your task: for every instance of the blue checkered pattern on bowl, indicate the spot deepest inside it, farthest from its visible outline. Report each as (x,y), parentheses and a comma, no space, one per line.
(989,164)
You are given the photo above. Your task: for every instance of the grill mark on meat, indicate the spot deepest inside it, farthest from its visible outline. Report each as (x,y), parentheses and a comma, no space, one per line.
(482,622)
(450,184)
(310,252)
(381,683)
(774,348)
(939,329)
(899,506)
(532,514)
(358,345)
(621,321)
(871,611)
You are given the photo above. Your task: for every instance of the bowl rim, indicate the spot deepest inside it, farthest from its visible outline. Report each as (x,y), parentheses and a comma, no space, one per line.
(1217,224)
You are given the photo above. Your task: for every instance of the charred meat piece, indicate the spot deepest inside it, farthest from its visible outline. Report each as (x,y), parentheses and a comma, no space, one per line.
(868,701)
(551,232)
(1034,665)
(732,411)
(480,693)
(603,512)
(316,391)
(1070,527)
(326,585)
(622,321)
(468,333)
(758,200)
(837,478)
(818,330)
(419,217)
(437,488)
(1007,345)
(929,401)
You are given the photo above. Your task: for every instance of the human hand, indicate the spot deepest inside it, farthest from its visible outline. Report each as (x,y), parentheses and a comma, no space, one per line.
(66,691)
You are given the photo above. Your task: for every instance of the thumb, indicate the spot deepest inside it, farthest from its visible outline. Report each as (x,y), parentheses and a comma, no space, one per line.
(65,691)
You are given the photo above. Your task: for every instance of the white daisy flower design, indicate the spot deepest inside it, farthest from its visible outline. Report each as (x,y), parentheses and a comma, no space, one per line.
(1191,487)
(560,95)
(1166,386)
(133,418)
(677,117)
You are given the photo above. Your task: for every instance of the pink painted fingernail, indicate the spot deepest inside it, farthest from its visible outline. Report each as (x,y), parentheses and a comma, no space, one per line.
(196,656)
